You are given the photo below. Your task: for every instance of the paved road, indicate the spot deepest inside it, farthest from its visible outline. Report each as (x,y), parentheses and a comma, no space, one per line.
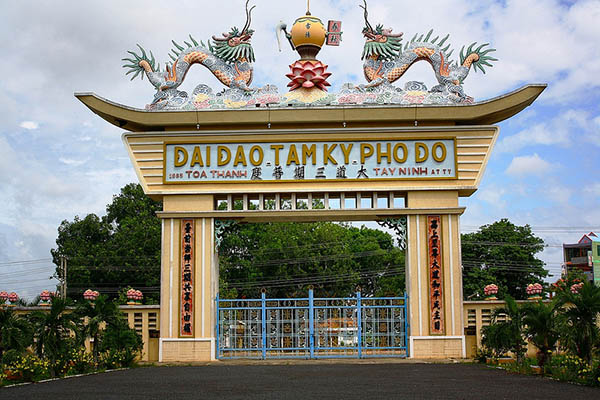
(314,380)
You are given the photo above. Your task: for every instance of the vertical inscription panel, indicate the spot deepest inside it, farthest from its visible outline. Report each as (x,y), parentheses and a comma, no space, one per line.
(436,303)
(187,278)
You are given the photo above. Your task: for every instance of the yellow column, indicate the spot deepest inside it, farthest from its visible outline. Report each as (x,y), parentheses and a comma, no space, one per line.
(199,345)
(424,343)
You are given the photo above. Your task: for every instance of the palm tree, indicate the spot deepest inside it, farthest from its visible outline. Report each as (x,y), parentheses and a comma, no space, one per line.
(15,331)
(542,328)
(514,325)
(95,314)
(580,318)
(51,329)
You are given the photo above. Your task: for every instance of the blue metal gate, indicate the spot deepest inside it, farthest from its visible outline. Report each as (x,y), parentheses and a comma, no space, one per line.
(312,327)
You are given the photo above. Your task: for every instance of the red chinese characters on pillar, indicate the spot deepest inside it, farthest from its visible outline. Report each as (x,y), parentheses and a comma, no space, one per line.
(187,278)
(436,303)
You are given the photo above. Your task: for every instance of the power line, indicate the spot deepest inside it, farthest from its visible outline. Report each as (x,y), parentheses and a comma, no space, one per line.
(24,262)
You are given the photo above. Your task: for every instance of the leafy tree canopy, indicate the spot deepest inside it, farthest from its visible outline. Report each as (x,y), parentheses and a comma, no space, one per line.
(504,254)
(117,250)
(122,249)
(287,258)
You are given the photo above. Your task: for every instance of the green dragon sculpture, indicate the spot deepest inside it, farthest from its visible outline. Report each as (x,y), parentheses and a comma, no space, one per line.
(229,58)
(386,60)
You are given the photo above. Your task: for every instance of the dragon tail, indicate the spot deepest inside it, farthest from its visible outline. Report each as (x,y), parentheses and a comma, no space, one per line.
(477,58)
(140,64)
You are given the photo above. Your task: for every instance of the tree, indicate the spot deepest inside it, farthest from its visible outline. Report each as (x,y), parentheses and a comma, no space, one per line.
(15,332)
(93,315)
(119,338)
(509,325)
(285,258)
(122,249)
(119,249)
(52,328)
(580,332)
(504,254)
(542,328)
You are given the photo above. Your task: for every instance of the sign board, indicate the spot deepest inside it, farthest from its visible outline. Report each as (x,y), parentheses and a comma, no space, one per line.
(188,162)
(187,278)
(436,275)
(334,33)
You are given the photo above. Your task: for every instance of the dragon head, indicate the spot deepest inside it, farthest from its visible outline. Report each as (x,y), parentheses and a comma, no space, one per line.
(380,42)
(235,45)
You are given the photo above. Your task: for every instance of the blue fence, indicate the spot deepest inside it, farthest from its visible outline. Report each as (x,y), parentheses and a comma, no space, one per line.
(312,327)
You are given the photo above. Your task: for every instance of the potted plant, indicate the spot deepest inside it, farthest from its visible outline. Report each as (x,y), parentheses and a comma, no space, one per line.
(45,298)
(13,298)
(134,297)
(490,292)
(90,295)
(534,291)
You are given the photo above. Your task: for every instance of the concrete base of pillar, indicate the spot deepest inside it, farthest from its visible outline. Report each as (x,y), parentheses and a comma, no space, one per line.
(436,347)
(186,350)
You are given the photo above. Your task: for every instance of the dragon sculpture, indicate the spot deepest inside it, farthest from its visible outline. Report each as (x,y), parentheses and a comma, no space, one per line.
(229,58)
(386,60)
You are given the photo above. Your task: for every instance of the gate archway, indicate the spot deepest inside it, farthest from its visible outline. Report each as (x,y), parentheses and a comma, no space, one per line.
(457,140)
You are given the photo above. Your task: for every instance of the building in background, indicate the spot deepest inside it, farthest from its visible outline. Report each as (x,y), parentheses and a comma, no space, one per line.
(595,256)
(584,256)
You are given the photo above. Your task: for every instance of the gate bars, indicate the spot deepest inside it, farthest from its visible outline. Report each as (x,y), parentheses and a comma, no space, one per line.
(312,327)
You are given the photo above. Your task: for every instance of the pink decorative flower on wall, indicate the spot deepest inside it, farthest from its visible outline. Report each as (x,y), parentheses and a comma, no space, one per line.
(13,297)
(134,296)
(45,295)
(490,290)
(534,289)
(90,295)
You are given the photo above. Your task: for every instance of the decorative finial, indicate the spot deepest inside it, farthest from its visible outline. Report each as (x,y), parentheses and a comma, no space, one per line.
(308,7)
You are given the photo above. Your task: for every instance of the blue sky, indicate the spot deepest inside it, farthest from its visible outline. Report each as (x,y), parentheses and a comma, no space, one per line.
(58,160)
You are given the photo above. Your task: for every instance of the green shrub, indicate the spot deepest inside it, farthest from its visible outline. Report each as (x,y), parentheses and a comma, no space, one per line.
(11,356)
(568,367)
(113,359)
(80,362)
(497,339)
(120,345)
(31,368)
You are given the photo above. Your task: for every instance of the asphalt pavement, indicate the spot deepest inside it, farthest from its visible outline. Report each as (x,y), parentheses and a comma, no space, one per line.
(305,380)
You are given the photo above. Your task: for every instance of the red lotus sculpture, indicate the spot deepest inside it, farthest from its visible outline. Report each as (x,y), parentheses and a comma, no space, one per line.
(308,74)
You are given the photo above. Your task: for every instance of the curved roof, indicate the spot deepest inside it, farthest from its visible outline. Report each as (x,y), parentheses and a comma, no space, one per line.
(480,113)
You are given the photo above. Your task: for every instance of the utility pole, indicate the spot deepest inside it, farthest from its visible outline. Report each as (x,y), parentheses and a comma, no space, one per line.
(63,267)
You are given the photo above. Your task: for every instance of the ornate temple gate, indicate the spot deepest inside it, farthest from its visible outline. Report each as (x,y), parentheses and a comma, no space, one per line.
(371,152)
(312,327)
(421,207)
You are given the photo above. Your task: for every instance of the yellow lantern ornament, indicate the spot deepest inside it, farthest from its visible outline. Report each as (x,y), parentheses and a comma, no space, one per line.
(308,75)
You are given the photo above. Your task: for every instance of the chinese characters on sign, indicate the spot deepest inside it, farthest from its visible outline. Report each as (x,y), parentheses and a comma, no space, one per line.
(187,277)
(306,161)
(434,232)
(334,34)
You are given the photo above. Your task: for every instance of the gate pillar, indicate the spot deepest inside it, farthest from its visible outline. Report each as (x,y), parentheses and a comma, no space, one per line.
(189,280)
(434,278)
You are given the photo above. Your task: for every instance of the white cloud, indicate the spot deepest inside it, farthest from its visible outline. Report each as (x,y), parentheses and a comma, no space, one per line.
(562,130)
(493,195)
(593,189)
(29,125)
(557,193)
(528,165)
(72,162)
